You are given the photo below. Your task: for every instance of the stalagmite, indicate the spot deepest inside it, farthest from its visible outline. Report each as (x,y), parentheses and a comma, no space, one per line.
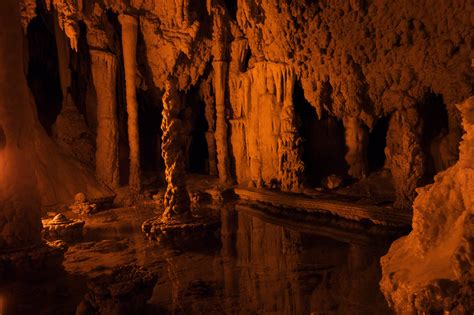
(220,78)
(289,145)
(104,67)
(129,44)
(176,199)
(405,155)
(356,142)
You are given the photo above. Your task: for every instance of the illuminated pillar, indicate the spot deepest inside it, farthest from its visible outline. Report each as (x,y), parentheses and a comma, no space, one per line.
(220,80)
(176,199)
(129,45)
(103,67)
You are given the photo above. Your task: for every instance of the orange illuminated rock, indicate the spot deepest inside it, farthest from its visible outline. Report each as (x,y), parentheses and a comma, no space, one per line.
(431,270)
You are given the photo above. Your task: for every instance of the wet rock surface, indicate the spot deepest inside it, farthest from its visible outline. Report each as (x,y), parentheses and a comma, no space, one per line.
(124,291)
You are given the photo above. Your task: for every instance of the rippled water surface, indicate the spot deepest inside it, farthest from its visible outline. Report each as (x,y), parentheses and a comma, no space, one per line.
(253,265)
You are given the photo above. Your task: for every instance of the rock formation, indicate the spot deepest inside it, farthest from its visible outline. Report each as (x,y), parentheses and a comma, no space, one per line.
(176,200)
(405,155)
(220,67)
(129,45)
(356,142)
(377,82)
(104,67)
(431,270)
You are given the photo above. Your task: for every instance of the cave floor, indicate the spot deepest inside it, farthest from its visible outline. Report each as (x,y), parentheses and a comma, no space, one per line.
(256,263)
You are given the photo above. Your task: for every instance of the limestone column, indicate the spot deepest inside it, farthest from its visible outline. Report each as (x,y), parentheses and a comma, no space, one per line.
(210,139)
(220,77)
(357,139)
(20,223)
(210,112)
(129,46)
(103,67)
(176,199)
(291,167)
(405,155)
(220,80)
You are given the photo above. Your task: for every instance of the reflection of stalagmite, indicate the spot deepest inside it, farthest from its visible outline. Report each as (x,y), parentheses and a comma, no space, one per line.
(405,155)
(356,142)
(103,67)
(220,79)
(129,45)
(176,199)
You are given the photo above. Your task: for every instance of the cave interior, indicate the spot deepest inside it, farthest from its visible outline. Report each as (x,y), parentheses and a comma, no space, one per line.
(236,156)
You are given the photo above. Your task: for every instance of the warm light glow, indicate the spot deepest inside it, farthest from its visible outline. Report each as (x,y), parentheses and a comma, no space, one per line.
(2,304)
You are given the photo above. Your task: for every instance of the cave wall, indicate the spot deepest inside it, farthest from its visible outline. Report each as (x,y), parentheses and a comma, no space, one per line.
(356,61)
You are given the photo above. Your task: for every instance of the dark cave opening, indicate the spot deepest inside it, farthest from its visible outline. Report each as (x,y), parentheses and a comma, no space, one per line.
(376,145)
(232,8)
(323,145)
(149,122)
(434,118)
(43,70)
(81,73)
(195,127)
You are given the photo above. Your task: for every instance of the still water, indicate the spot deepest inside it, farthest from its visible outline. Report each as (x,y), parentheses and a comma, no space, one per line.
(253,265)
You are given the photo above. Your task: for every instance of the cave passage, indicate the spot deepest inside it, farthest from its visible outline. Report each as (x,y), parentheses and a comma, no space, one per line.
(43,70)
(434,118)
(195,128)
(324,144)
(377,143)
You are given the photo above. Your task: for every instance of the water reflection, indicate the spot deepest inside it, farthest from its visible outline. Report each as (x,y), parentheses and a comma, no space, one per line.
(263,268)
(255,267)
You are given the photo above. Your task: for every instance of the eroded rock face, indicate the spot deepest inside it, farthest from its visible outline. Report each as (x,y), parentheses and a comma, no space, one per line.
(431,269)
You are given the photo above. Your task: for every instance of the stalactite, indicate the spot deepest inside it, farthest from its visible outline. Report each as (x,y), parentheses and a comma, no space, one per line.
(405,155)
(129,44)
(70,130)
(67,11)
(356,142)
(176,201)
(104,67)
(27,11)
